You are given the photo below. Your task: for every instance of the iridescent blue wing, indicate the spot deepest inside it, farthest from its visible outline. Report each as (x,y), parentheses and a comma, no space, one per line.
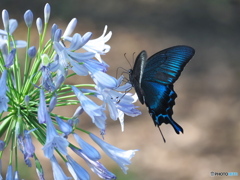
(166,66)
(160,72)
(160,100)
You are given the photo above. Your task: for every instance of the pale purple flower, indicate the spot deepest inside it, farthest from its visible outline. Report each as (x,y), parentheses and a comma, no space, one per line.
(77,171)
(54,141)
(75,120)
(10,24)
(4,50)
(47,11)
(25,145)
(46,73)
(57,35)
(102,78)
(79,68)
(53,31)
(3,36)
(72,60)
(28,18)
(3,90)
(9,175)
(126,105)
(13,24)
(64,126)
(39,170)
(58,80)
(19,44)
(10,58)
(87,149)
(54,67)
(52,103)
(118,103)
(95,166)
(78,41)
(47,81)
(39,25)
(98,45)
(96,65)
(16,176)
(3,39)
(28,145)
(78,112)
(32,51)
(92,109)
(42,109)
(70,28)
(121,157)
(121,119)
(5,19)
(58,173)
(2,145)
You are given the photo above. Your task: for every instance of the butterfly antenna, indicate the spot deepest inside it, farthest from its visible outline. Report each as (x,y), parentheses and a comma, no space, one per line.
(127,60)
(133,58)
(164,140)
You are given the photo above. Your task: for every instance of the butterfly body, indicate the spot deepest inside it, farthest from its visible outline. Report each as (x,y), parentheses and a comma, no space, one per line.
(153,80)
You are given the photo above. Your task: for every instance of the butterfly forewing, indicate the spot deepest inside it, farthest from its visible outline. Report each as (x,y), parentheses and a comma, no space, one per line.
(166,66)
(136,73)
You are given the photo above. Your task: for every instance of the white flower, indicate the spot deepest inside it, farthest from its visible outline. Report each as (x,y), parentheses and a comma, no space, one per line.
(98,45)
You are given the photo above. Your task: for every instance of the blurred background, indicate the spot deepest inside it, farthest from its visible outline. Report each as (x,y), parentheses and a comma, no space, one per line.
(208,103)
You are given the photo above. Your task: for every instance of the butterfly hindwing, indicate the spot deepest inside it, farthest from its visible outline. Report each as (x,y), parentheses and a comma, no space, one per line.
(160,103)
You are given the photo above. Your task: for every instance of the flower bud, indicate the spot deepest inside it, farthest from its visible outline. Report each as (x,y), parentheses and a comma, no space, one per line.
(39,25)
(32,51)
(28,18)
(47,11)
(5,19)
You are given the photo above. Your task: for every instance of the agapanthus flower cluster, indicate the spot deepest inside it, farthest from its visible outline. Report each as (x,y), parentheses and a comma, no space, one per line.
(32,87)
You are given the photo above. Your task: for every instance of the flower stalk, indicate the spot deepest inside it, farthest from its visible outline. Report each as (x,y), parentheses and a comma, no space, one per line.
(27,102)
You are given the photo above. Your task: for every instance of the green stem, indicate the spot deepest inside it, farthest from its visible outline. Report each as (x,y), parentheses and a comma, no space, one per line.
(16,68)
(67,104)
(27,64)
(87,132)
(4,125)
(16,154)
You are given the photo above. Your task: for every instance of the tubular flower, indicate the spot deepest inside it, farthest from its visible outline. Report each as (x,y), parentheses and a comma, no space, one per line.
(121,157)
(31,94)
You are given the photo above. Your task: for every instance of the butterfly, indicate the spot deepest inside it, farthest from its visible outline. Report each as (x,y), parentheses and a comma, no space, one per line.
(153,80)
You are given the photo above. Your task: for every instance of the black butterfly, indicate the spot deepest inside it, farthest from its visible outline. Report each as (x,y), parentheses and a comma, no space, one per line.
(153,80)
